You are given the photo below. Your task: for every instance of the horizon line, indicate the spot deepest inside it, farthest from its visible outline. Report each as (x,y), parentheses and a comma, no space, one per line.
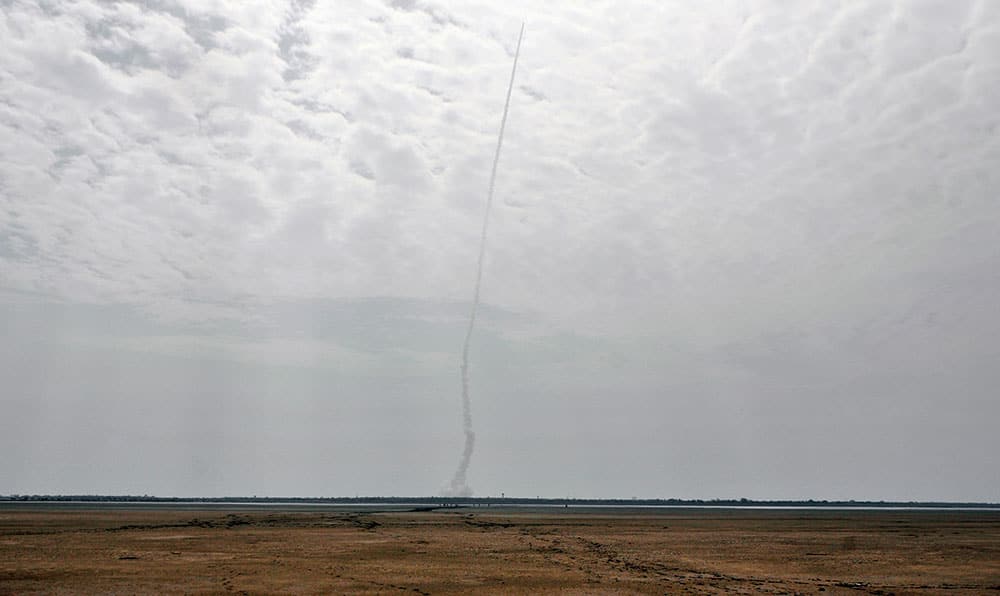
(738,501)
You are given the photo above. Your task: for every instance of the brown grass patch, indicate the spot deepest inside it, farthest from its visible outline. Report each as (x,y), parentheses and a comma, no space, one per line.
(463,551)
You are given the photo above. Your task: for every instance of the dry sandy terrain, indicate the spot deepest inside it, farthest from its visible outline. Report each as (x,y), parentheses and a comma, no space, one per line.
(500,551)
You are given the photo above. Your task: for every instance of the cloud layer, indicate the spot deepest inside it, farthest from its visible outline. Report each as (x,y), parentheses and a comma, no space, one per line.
(781,220)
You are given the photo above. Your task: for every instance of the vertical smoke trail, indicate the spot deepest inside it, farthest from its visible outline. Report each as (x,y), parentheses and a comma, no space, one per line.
(458,485)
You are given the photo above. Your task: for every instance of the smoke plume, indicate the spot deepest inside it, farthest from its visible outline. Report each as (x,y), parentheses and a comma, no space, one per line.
(459,485)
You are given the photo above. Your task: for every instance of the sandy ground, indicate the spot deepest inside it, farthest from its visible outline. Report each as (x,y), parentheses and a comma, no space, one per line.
(491,551)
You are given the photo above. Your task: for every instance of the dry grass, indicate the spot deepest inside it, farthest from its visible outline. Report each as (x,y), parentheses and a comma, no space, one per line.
(479,550)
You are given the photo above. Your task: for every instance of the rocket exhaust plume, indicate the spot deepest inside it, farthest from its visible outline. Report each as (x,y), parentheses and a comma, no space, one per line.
(459,486)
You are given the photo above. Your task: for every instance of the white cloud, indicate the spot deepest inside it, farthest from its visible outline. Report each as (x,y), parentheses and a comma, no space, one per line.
(631,158)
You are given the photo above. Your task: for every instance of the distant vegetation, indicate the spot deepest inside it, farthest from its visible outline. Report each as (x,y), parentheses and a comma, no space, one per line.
(456,501)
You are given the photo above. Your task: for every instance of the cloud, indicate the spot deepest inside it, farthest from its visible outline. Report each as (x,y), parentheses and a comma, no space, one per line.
(775,142)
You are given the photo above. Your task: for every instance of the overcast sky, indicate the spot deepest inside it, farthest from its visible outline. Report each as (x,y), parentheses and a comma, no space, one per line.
(738,248)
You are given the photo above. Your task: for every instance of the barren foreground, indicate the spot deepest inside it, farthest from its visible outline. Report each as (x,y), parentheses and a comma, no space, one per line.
(501,551)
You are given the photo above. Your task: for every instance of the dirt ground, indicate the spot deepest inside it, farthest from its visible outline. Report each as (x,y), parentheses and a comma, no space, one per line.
(498,551)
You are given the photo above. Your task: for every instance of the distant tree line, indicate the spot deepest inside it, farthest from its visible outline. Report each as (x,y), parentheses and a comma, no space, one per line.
(491,501)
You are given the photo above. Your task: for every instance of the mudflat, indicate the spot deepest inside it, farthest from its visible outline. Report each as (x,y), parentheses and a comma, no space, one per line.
(484,550)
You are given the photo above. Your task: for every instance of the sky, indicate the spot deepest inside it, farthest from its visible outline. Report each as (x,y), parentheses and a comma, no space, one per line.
(737,248)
